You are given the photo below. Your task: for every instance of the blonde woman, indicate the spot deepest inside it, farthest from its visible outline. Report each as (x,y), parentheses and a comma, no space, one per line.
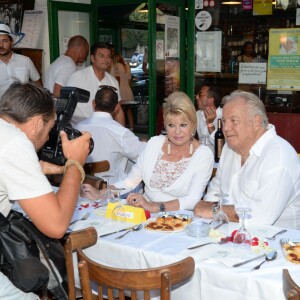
(175,168)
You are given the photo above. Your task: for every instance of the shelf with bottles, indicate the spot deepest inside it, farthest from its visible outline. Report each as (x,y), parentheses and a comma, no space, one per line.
(234,43)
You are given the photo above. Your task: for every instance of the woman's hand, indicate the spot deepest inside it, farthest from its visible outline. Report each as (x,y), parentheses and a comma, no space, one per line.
(87,191)
(138,200)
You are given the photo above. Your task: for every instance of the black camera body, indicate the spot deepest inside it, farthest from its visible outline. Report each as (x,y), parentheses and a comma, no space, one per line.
(65,106)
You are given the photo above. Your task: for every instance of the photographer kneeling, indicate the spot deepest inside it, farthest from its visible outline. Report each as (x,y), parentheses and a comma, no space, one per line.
(26,117)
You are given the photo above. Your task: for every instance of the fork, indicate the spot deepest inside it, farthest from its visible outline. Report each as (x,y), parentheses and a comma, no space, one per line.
(274,236)
(84,217)
(223,241)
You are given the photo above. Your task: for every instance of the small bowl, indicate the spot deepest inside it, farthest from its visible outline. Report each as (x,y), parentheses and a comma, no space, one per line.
(198,229)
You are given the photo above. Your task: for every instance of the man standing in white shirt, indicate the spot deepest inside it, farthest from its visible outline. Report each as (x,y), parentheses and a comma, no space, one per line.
(14,67)
(208,101)
(112,141)
(257,169)
(59,72)
(91,78)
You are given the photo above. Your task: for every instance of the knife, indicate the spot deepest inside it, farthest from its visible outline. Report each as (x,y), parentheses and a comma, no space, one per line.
(107,234)
(249,260)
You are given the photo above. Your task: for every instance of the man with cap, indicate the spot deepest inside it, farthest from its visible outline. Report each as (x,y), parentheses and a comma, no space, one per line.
(14,67)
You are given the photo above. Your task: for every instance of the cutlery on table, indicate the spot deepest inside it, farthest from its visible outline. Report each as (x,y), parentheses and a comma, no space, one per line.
(274,236)
(134,228)
(84,217)
(124,229)
(249,260)
(223,241)
(269,257)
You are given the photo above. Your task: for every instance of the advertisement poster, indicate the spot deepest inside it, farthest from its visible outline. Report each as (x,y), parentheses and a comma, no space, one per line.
(172,36)
(208,55)
(284,59)
(262,7)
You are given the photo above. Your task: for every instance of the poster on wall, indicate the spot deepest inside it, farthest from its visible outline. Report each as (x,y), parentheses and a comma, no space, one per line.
(284,59)
(172,36)
(261,8)
(208,51)
(11,15)
(31,28)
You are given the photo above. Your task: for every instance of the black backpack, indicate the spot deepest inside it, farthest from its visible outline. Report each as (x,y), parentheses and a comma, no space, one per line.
(21,245)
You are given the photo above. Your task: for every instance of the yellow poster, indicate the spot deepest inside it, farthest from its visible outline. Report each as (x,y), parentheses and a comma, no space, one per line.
(284,59)
(262,7)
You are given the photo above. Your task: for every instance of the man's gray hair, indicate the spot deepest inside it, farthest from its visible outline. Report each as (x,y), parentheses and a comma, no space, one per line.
(255,105)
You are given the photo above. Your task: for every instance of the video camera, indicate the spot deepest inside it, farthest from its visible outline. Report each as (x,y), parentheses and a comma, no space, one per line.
(65,106)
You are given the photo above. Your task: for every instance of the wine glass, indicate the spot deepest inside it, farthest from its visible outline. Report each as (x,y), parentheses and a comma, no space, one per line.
(242,236)
(108,196)
(118,215)
(220,220)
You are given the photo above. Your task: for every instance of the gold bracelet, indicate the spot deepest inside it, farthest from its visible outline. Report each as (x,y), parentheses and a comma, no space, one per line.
(71,162)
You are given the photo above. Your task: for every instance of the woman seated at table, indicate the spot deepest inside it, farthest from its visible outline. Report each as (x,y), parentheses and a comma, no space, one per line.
(175,168)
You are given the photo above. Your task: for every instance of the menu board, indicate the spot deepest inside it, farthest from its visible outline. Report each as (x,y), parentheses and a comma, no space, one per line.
(252,73)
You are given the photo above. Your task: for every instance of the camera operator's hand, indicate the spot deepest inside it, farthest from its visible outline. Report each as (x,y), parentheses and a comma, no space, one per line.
(77,149)
(51,169)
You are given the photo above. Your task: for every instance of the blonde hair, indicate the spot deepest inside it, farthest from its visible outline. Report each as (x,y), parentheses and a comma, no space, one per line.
(179,104)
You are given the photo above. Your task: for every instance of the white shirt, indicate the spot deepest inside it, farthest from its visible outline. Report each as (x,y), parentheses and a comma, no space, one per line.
(268,182)
(21,175)
(284,51)
(112,142)
(87,80)
(19,68)
(202,130)
(59,72)
(189,186)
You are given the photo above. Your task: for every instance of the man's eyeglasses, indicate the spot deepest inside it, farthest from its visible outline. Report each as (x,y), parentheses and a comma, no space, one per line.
(109,87)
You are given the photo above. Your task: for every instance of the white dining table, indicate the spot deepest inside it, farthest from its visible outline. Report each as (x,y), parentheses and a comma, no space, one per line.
(214,276)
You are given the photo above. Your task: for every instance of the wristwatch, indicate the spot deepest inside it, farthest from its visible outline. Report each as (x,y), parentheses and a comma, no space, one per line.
(214,208)
(161,207)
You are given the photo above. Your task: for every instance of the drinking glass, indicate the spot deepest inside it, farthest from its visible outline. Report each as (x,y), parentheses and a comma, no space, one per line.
(118,215)
(220,220)
(242,236)
(108,196)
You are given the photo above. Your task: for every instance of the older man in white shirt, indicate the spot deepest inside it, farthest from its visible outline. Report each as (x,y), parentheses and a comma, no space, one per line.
(257,167)
(113,142)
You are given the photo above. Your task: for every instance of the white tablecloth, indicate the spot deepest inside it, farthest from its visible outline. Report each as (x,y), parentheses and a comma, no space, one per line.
(212,279)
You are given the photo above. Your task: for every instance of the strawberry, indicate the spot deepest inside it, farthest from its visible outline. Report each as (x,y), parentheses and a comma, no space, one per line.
(147,214)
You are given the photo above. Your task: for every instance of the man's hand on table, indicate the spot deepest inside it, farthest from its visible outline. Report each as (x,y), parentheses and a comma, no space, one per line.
(203,209)
(87,191)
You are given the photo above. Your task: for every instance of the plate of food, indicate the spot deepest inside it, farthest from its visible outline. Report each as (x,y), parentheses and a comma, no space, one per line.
(168,223)
(291,250)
